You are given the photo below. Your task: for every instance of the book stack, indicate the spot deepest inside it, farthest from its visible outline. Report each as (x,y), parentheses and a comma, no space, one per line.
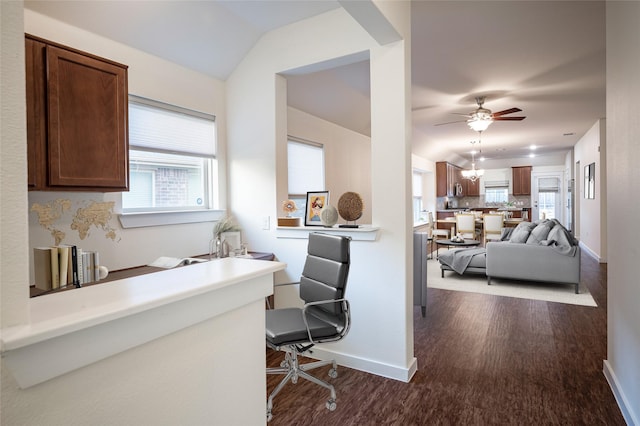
(60,266)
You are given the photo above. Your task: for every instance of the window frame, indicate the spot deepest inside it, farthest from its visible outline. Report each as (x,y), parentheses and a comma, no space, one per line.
(210,211)
(417,200)
(504,189)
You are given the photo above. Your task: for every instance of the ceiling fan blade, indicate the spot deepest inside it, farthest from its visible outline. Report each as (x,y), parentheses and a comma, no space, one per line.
(506,111)
(508,118)
(451,122)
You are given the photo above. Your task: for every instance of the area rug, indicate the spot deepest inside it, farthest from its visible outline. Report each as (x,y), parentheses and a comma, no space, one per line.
(476,283)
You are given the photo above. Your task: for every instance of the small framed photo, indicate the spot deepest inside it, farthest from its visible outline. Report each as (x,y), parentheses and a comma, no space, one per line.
(233,240)
(315,202)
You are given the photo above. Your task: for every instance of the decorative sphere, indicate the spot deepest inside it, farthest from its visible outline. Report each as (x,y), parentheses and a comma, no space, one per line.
(350,206)
(329,216)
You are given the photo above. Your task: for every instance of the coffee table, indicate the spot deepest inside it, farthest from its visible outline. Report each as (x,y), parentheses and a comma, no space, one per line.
(449,243)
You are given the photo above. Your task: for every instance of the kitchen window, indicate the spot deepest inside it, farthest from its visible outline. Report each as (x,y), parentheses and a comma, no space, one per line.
(496,195)
(496,192)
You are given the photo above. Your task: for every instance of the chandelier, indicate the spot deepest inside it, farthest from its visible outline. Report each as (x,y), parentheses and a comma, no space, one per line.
(473,174)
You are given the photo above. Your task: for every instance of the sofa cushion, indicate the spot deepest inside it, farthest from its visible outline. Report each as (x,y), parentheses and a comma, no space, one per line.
(521,232)
(540,232)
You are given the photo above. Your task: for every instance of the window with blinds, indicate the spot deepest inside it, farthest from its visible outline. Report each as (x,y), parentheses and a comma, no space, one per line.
(172,158)
(417,196)
(305,165)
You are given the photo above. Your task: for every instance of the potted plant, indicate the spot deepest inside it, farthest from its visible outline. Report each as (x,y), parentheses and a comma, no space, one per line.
(226,224)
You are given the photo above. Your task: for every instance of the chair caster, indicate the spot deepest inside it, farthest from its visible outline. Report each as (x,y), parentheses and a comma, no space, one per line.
(269,416)
(333,373)
(331,405)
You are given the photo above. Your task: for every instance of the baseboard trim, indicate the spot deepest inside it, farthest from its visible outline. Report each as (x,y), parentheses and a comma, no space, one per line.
(629,416)
(591,253)
(403,374)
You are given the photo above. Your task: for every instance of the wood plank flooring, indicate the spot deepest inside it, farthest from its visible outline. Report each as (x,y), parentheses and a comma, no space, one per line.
(482,360)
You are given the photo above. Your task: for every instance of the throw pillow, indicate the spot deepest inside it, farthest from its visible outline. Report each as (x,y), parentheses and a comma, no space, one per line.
(540,232)
(505,235)
(521,233)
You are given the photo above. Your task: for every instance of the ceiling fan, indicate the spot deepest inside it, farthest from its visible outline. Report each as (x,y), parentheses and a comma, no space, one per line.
(482,117)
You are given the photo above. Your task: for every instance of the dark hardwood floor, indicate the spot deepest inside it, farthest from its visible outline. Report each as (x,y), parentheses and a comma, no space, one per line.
(482,360)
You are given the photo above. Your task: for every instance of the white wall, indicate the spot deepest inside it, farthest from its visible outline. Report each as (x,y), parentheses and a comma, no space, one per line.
(380,275)
(590,149)
(117,389)
(14,264)
(347,156)
(150,77)
(623,151)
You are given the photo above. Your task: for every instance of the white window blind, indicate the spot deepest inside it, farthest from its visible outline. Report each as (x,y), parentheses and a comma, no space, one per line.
(172,159)
(159,126)
(305,167)
(496,184)
(548,184)
(417,184)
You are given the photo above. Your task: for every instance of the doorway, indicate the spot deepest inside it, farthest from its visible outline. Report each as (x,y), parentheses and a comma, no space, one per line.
(547,197)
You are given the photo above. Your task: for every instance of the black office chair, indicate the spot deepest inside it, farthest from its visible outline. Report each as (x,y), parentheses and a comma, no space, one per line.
(324,318)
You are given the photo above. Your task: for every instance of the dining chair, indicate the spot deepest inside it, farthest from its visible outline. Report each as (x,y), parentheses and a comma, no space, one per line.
(492,226)
(435,232)
(466,225)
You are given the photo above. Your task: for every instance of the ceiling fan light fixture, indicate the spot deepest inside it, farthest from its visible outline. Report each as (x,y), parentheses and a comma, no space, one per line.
(479,123)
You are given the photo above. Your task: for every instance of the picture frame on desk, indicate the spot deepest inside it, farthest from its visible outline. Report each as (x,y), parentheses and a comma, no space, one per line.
(316,200)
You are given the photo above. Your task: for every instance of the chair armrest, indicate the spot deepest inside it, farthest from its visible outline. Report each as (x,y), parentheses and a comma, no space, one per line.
(347,323)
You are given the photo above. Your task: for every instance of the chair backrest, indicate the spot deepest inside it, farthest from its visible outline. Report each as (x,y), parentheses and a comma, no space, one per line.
(430,219)
(325,273)
(465,223)
(493,222)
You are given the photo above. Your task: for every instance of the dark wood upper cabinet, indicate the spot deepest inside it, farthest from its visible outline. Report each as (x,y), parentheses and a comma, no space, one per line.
(472,187)
(521,180)
(448,176)
(77,112)
(446,179)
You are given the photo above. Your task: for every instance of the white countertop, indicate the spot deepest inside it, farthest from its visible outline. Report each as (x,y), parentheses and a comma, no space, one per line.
(59,313)
(75,328)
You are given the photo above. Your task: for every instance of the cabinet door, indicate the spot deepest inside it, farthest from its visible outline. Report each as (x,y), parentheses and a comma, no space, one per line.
(521,180)
(87,122)
(517,181)
(451,180)
(36,112)
(525,180)
(473,187)
(441,179)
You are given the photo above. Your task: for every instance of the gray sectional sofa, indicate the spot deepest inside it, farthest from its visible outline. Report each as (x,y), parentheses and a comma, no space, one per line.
(539,251)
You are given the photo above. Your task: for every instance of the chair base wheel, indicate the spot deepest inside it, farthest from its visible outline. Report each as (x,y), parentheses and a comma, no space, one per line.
(269,416)
(331,404)
(333,373)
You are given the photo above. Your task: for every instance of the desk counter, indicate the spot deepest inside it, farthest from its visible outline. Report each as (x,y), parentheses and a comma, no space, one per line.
(164,315)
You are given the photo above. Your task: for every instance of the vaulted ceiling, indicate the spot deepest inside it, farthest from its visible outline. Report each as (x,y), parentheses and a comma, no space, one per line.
(545,57)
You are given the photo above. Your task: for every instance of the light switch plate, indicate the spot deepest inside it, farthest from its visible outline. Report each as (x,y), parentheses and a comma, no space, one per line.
(265,223)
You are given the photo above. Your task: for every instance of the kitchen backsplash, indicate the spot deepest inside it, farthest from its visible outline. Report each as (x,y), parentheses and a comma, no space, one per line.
(522,201)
